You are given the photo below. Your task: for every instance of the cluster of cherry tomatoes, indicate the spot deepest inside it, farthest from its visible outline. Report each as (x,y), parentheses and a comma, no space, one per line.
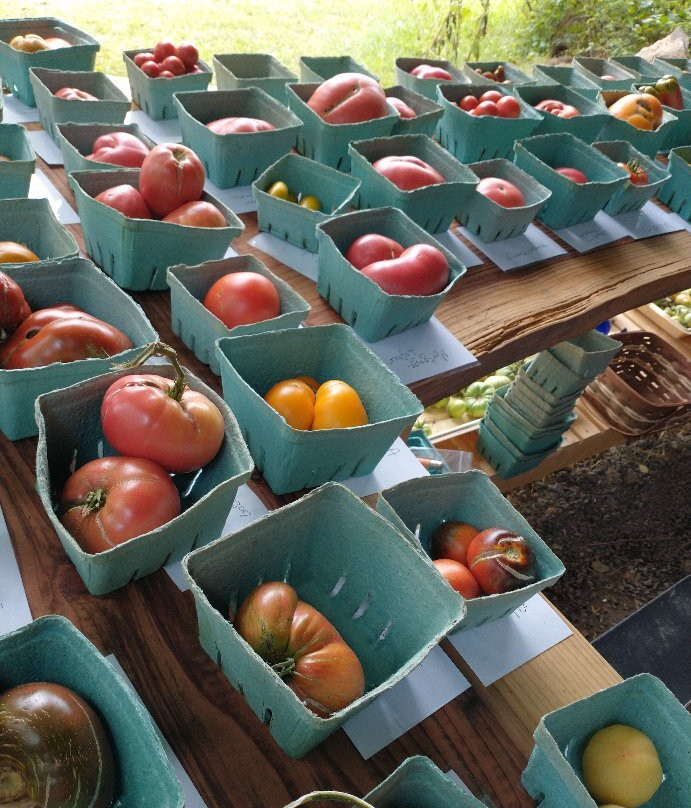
(166,60)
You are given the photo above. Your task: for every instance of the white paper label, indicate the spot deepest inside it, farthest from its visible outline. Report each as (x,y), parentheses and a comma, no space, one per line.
(296,258)
(650,220)
(454,245)
(46,148)
(497,648)
(585,236)
(675,217)
(238,199)
(14,607)
(423,351)
(16,111)
(435,682)
(397,465)
(165,131)
(520,251)
(42,188)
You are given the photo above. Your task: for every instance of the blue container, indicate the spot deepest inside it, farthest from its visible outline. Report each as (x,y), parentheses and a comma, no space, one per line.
(594,69)
(676,192)
(235,71)
(427,112)
(15,175)
(585,126)
(427,87)
(630,197)
(321,68)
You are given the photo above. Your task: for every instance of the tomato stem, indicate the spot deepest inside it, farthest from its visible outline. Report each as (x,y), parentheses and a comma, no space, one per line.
(284,668)
(160,349)
(333,796)
(94,500)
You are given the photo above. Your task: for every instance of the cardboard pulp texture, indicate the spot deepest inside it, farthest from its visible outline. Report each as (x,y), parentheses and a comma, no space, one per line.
(335,551)
(586,125)
(630,197)
(649,143)
(595,69)
(198,328)
(471,138)
(676,192)
(540,397)
(76,281)
(236,158)
(15,174)
(433,206)
(418,783)
(235,71)
(33,223)
(489,220)
(637,64)
(467,496)
(426,87)
(295,223)
(571,202)
(372,312)
(511,73)
(568,77)
(556,377)
(328,142)
(427,112)
(111,107)
(76,140)
(2,105)
(155,96)
(503,455)
(553,775)
(321,68)
(526,437)
(588,354)
(15,64)
(681,68)
(523,405)
(137,252)
(51,649)
(292,459)
(70,434)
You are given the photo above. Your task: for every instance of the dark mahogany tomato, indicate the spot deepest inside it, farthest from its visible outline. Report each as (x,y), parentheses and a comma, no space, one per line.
(74,94)
(13,306)
(126,199)
(407,172)
(120,149)
(55,750)
(197,214)
(302,647)
(349,98)
(113,499)
(419,270)
(171,175)
(34,321)
(500,560)
(451,540)
(458,577)
(372,247)
(240,298)
(401,107)
(236,126)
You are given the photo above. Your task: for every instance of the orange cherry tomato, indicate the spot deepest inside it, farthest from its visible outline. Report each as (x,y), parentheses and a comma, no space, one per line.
(458,577)
(641,110)
(337,405)
(310,381)
(12,252)
(294,400)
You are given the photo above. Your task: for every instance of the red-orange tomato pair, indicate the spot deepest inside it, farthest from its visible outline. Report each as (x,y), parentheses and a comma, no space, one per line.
(305,404)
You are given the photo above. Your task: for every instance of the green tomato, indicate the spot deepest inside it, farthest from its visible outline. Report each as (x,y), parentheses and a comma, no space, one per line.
(476,406)
(456,407)
(441,405)
(474,389)
(497,381)
(683,298)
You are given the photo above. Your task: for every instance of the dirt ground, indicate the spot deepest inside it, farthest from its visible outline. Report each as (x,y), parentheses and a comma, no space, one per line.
(620,522)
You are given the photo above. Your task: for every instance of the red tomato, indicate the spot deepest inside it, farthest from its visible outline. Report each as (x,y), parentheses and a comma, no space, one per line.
(239,298)
(171,175)
(34,321)
(55,42)
(500,560)
(187,54)
(468,103)
(401,107)
(120,149)
(151,68)
(370,248)
(140,58)
(407,172)
(163,49)
(302,647)
(550,105)
(141,417)
(228,126)
(451,540)
(486,108)
(431,72)
(637,174)
(458,577)
(491,95)
(166,74)
(568,112)
(197,214)
(113,499)
(349,98)
(508,107)
(419,270)
(126,199)
(173,64)
(572,174)
(74,94)
(502,192)
(13,306)
(337,406)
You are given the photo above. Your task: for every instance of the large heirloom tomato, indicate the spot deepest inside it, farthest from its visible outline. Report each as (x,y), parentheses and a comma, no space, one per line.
(113,499)
(171,175)
(240,298)
(420,270)
(302,647)
(119,149)
(500,560)
(349,98)
(641,110)
(407,172)
(13,306)
(197,214)
(126,199)
(370,248)
(235,126)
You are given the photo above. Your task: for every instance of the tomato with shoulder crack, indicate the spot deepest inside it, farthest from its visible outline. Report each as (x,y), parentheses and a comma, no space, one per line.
(573,174)
(301,646)
(12,252)
(171,175)
(13,306)
(372,247)
(349,98)
(402,108)
(407,172)
(120,149)
(458,577)
(240,298)
(197,214)
(31,43)
(641,110)
(126,199)
(431,72)
(451,539)
(236,126)
(501,191)
(74,94)
(419,270)
(500,560)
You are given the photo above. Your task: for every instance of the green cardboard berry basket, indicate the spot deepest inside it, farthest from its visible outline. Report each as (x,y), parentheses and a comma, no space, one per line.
(70,435)
(292,459)
(553,776)
(15,175)
(587,354)
(432,207)
(33,223)
(570,202)
(503,455)
(51,649)
(155,96)
(680,133)
(491,221)
(418,783)
(328,142)
(428,112)
(468,496)
(637,64)
(555,377)
(471,138)
(111,107)
(337,553)
(512,74)
(321,68)
(681,68)
(594,69)
(631,197)
(76,140)
(15,65)
(539,397)
(292,222)
(676,192)
(2,103)
(585,126)
(533,408)
(77,281)
(137,252)
(426,87)
(372,312)
(236,159)
(524,435)
(649,143)
(568,77)
(198,328)
(235,71)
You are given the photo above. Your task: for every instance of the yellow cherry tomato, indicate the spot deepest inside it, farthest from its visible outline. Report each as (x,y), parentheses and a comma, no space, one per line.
(294,400)
(337,405)
(310,202)
(13,253)
(279,189)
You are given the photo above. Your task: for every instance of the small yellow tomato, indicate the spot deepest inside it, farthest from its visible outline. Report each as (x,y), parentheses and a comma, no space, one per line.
(338,405)
(310,202)
(294,400)
(279,189)
(13,253)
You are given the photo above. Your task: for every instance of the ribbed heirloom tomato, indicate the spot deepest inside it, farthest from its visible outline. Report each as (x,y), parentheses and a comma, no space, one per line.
(13,306)
(171,175)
